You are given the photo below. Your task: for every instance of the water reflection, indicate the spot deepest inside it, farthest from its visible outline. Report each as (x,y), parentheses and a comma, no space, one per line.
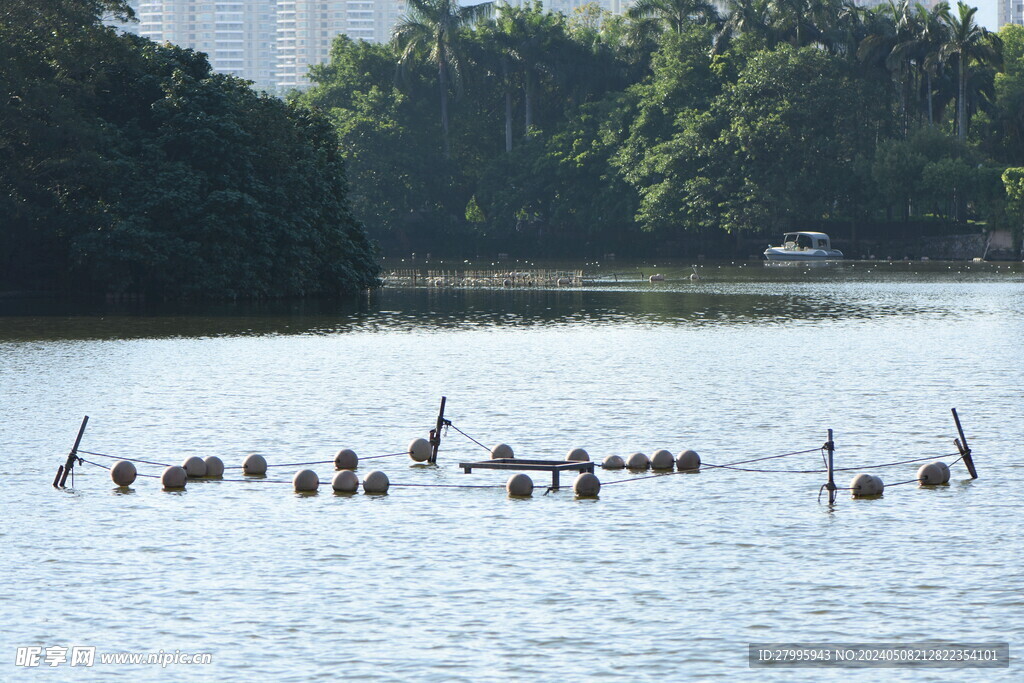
(726,295)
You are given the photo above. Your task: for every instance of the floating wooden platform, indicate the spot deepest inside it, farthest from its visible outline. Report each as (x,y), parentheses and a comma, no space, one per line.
(552,466)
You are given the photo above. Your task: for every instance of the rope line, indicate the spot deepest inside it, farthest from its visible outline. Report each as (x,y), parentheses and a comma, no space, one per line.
(773,457)
(115,457)
(901,462)
(731,466)
(821,471)
(834,469)
(317,462)
(750,469)
(285,481)
(90,462)
(469,437)
(454,486)
(94,463)
(299,464)
(650,476)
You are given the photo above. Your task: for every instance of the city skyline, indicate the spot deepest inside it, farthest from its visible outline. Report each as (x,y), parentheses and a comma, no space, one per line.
(274,42)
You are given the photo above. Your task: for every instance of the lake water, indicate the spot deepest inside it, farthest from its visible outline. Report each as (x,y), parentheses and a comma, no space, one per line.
(657,579)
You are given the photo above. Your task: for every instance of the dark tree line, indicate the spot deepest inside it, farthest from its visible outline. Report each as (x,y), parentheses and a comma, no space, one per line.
(127,166)
(522,126)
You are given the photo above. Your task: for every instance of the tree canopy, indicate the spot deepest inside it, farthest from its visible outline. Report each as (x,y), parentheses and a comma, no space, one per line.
(680,123)
(127,166)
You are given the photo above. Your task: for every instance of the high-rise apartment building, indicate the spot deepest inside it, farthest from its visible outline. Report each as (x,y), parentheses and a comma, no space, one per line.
(1009,12)
(269,42)
(928,4)
(238,36)
(567,7)
(306,28)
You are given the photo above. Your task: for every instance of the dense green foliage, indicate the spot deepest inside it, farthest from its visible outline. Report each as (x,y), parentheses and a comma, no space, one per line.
(676,124)
(126,166)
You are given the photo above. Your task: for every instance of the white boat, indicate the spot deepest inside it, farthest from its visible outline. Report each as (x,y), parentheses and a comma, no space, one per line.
(804,246)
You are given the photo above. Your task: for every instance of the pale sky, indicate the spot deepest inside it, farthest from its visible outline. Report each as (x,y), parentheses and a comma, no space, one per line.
(986,13)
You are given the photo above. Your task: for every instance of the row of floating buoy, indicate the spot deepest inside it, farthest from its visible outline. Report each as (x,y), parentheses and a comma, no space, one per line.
(866,485)
(344,481)
(586,485)
(687,461)
(123,472)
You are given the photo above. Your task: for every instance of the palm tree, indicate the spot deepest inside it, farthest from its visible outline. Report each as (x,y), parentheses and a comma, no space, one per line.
(793,21)
(742,16)
(529,36)
(675,13)
(874,48)
(903,60)
(933,25)
(432,26)
(968,42)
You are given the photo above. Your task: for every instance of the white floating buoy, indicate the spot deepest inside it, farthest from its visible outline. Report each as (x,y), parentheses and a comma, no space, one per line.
(376,482)
(657,277)
(866,485)
(254,464)
(662,460)
(613,462)
(214,466)
(194,466)
(587,485)
(346,459)
(637,461)
(174,477)
(419,450)
(578,455)
(123,473)
(933,473)
(519,484)
(502,450)
(305,481)
(688,460)
(345,481)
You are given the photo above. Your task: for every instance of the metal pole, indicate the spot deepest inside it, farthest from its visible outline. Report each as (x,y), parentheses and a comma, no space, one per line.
(70,463)
(961,445)
(435,436)
(831,447)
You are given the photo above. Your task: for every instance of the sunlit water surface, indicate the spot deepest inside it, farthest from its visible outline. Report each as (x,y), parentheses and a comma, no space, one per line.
(658,579)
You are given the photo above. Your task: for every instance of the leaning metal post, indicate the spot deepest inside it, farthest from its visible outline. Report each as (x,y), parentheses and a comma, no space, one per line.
(64,470)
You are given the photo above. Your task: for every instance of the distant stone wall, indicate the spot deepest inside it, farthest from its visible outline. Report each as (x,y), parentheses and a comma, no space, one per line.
(954,247)
(944,248)
(1001,247)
